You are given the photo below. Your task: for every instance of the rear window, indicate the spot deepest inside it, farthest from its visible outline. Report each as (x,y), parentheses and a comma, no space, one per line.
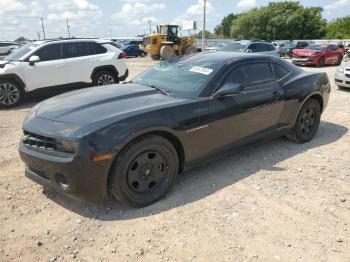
(280,71)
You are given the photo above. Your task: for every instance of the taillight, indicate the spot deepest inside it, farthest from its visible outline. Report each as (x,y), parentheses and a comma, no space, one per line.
(122,55)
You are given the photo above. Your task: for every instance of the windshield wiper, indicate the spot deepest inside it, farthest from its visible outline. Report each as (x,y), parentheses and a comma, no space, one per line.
(159,89)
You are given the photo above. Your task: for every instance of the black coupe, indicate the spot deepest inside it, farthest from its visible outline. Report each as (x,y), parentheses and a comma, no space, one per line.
(130,141)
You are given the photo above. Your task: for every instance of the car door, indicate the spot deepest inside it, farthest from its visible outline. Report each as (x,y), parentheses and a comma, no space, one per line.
(49,71)
(255,110)
(81,58)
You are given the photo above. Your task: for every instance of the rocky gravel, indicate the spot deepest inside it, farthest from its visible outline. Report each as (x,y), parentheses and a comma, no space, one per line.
(275,201)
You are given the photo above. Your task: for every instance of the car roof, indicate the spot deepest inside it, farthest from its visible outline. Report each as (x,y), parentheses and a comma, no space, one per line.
(224,57)
(72,40)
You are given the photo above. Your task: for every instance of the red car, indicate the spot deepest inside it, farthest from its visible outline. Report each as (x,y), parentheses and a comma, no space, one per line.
(318,55)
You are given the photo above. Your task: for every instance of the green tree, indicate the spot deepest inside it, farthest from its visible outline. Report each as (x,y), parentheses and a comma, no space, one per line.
(20,40)
(278,20)
(224,28)
(339,28)
(208,34)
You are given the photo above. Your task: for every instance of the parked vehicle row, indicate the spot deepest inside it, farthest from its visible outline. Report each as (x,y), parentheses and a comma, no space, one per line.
(249,47)
(131,142)
(6,47)
(54,65)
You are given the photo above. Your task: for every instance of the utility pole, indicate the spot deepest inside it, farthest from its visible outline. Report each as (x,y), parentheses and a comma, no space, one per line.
(150,26)
(38,35)
(68,27)
(203,30)
(42,25)
(110,32)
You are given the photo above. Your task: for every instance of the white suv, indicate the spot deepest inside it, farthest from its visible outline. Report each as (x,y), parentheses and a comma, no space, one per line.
(56,64)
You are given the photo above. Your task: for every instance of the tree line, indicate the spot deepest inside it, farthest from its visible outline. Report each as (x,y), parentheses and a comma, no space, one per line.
(282,20)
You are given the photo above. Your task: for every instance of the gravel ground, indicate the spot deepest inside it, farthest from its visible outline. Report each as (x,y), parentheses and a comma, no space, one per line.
(273,201)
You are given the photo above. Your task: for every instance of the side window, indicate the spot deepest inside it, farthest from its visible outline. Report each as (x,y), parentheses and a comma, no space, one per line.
(49,53)
(97,48)
(334,48)
(269,47)
(76,49)
(236,76)
(280,71)
(254,48)
(258,73)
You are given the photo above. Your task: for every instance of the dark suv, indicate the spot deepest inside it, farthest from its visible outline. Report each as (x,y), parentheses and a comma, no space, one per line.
(249,47)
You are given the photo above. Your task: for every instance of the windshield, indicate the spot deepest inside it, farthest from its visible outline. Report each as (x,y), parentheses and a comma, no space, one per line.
(19,53)
(289,45)
(232,47)
(178,76)
(315,47)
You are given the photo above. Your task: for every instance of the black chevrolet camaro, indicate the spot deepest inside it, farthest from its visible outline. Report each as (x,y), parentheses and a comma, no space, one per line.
(129,141)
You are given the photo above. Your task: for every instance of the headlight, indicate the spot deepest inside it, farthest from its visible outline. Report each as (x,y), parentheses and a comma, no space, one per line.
(32,113)
(68,145)
(340,69)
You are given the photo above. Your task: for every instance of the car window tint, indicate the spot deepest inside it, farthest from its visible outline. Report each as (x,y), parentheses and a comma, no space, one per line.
(49,53)
(97,48)
(77,49)
(258,73)
(254,48)
(269,47)
(280,71)
(236,76)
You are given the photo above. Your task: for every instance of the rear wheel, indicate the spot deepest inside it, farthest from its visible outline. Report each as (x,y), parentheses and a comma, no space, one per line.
(142,54)
(307,122)
(144,171)
(11,94)
(321,62)
(104,78)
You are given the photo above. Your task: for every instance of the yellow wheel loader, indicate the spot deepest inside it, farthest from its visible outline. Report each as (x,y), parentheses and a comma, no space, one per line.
(167,43)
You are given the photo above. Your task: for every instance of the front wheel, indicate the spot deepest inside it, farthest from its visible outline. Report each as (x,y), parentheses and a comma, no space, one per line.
(321,62)
(144,171)
(11,94)
(103,78)
(307,122)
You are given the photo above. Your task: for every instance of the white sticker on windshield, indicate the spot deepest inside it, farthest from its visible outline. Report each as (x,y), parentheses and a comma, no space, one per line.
(201,70)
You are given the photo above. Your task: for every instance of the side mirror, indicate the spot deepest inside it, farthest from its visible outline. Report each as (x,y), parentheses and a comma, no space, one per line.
(249,51)
(228,89)
(34,59)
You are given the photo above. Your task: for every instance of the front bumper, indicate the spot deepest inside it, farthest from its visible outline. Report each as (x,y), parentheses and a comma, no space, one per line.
(75,176)
(342,80)
(304,61)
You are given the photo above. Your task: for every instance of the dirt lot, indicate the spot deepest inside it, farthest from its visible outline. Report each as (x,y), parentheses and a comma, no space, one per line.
(274,201)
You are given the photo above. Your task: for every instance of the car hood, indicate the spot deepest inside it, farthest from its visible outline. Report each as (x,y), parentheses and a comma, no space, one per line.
(305,52)
(103,104)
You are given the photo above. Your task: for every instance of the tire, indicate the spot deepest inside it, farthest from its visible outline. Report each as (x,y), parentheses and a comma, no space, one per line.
(321,62)
(167,52)
(340,59)
(144,171)
(11,93)
(307,122)
(189,49)
(142,54)
(104,78)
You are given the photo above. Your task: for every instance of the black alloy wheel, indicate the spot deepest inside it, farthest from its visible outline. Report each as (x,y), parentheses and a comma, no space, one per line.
(144,171)
(307,122)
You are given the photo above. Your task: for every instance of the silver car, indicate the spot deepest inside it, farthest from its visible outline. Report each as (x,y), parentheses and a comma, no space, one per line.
(342,75)
(249,47)
(7,47)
